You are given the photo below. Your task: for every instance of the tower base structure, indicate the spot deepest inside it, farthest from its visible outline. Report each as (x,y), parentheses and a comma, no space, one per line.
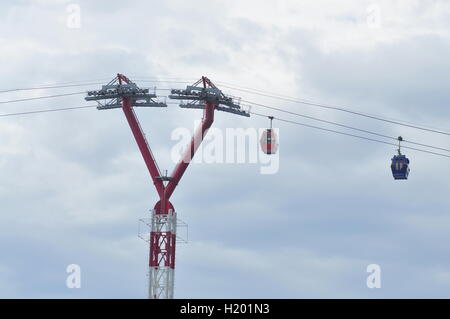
(162,254)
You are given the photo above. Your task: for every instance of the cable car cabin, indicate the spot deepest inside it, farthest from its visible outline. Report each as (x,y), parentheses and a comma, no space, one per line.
(269,144)
(400,167)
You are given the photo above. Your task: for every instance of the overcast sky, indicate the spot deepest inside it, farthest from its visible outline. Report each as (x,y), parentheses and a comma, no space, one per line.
(73,184)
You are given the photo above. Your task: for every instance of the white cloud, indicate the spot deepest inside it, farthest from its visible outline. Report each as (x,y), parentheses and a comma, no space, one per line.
(72,184)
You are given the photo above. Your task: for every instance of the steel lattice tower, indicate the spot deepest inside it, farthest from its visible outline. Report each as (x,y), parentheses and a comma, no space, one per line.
(203,94)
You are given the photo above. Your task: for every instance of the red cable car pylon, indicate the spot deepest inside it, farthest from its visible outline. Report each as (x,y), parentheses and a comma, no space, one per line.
(125,94)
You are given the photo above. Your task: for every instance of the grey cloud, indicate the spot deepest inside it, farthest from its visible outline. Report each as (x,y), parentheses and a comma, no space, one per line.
(74,184)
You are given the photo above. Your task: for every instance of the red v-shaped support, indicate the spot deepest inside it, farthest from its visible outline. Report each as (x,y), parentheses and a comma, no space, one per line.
(165,192)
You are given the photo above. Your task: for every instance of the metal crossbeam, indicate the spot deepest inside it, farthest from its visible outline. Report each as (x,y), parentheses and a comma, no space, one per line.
(218,108)
(200,95)
(115,92)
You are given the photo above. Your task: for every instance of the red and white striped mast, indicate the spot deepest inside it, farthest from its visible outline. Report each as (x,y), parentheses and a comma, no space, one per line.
(122,93)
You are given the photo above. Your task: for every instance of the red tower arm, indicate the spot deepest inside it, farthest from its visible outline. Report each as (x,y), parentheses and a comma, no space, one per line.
(208,118)
(143,145)
(141,141)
